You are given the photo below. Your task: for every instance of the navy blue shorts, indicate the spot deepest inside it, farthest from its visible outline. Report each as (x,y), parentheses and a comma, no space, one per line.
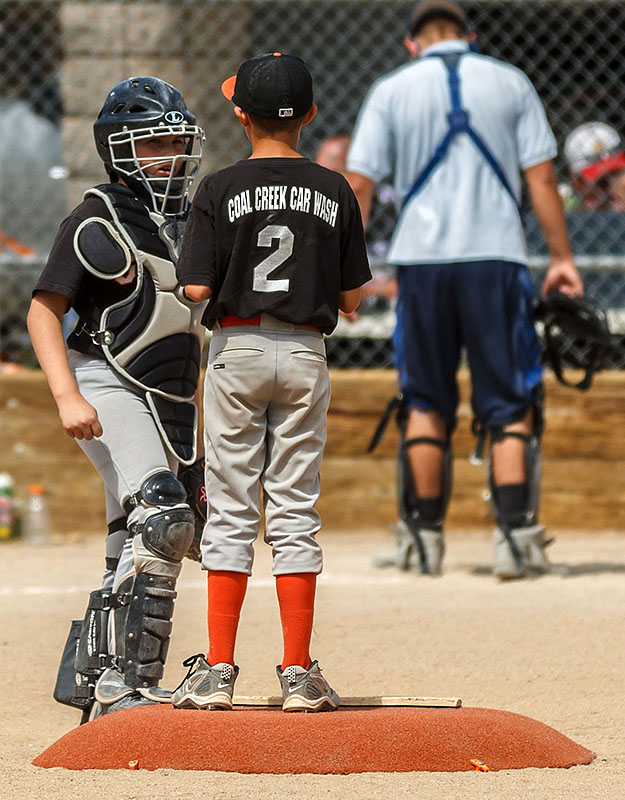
(483,306)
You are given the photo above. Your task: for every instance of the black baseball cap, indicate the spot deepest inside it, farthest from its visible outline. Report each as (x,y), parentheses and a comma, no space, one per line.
(425,9)
(272,86)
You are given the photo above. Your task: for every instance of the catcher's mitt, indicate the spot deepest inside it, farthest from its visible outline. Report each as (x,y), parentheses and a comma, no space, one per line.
(192,478)
(578,319)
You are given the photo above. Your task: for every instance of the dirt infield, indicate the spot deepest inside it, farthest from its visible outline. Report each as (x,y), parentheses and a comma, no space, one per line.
(551,649)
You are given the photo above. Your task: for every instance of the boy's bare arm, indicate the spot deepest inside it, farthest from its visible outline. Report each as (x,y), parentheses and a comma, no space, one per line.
(349,300)
(543,188)
(78,417)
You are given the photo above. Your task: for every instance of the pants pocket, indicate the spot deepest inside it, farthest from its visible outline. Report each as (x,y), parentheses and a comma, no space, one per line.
(309,355)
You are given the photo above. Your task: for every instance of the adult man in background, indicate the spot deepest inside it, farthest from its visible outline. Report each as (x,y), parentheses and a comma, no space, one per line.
(455,130)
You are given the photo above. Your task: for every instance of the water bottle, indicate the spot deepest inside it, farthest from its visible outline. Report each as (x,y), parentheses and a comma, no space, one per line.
(36,529)
(8,512)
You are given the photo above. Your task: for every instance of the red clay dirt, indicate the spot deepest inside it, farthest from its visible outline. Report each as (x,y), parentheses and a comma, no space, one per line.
(349,740)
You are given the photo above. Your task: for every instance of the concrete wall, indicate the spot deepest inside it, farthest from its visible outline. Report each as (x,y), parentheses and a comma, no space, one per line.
(194,46)
(584,457)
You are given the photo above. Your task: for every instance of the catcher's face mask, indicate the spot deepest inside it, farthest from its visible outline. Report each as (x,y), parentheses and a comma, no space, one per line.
(574,319)
(167,172)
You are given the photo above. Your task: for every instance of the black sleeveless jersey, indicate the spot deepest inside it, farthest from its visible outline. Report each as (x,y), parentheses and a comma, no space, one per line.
(281,236)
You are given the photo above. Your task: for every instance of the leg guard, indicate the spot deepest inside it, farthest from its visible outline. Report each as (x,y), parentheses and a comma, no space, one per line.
(143,626)
(424,523)
(163,528)
(85,655)
(519,540)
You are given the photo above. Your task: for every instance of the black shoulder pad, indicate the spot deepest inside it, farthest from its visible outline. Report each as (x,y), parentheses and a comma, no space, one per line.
(134,215)
(101,249)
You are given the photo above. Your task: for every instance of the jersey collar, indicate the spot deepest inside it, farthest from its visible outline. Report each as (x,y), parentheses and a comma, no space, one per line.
(448,46)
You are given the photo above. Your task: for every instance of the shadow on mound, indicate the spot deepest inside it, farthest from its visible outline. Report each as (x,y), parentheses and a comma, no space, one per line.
(349,740)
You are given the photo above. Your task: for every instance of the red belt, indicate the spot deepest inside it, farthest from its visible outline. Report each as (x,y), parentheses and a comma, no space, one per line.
(231,321)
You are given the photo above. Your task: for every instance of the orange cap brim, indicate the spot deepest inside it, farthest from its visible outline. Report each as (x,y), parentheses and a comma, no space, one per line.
(227,87)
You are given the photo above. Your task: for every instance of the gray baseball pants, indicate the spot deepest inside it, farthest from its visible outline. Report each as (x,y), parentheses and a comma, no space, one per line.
(266,398)
(130,448)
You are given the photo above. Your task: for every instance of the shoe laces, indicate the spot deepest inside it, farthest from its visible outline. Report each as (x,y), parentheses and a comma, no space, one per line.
(189,662)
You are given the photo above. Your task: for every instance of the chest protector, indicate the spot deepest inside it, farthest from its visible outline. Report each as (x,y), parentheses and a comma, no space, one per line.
(152,337)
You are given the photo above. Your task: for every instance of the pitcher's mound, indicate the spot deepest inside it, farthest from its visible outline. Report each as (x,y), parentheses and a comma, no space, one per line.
(348,740)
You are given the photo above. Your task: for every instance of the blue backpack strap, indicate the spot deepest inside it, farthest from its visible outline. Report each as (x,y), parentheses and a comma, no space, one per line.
(495,165)
(458,120)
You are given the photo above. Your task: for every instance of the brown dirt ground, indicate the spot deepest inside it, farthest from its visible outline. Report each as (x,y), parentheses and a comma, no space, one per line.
(550,648)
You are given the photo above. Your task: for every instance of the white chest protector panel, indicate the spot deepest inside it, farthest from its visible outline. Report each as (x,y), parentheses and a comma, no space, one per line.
(154,336)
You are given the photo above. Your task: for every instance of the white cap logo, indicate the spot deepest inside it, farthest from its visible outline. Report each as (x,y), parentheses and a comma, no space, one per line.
(174,117)
(285,112)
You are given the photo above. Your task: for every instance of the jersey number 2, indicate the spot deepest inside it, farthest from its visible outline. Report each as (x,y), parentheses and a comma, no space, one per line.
(284,235)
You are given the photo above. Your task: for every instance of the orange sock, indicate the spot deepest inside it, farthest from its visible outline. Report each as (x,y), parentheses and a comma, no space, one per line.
(226,592)
(296,598)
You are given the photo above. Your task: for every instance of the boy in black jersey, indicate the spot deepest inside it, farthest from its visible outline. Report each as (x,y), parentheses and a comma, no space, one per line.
(276,243)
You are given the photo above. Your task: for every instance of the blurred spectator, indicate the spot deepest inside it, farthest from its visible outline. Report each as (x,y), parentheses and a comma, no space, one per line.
(33,202)
(381,291)
(332,152)
(596,158)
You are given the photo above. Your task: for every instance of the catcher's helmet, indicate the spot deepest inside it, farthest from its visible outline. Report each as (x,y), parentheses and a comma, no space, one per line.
(579,319)
(145,108)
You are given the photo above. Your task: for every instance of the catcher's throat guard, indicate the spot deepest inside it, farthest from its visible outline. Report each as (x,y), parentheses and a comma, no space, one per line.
(579,319)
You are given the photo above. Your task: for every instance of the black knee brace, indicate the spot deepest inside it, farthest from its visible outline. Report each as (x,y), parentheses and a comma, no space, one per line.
(418,513)
(517,505)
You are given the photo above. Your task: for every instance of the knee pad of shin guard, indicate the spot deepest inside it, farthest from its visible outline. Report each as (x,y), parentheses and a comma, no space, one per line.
(163,518)
(168,532)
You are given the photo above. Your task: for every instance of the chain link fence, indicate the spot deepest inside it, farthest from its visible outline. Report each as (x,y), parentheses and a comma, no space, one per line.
(58,60)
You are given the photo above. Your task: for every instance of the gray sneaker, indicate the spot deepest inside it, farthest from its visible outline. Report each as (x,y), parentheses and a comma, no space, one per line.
(133,700)
(112,694)
(306,689)
(205,685)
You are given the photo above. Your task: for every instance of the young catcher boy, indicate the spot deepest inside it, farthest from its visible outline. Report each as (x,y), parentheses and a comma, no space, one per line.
(276,241)
(125,386)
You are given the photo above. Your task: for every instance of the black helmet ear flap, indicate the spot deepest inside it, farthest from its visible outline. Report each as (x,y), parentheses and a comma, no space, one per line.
(574,319)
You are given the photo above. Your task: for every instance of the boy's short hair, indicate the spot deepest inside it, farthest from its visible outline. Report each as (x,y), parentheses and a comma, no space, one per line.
(272,126)
(271,87)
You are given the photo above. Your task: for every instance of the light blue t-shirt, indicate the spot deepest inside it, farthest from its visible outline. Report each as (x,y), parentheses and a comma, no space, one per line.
(463,212)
